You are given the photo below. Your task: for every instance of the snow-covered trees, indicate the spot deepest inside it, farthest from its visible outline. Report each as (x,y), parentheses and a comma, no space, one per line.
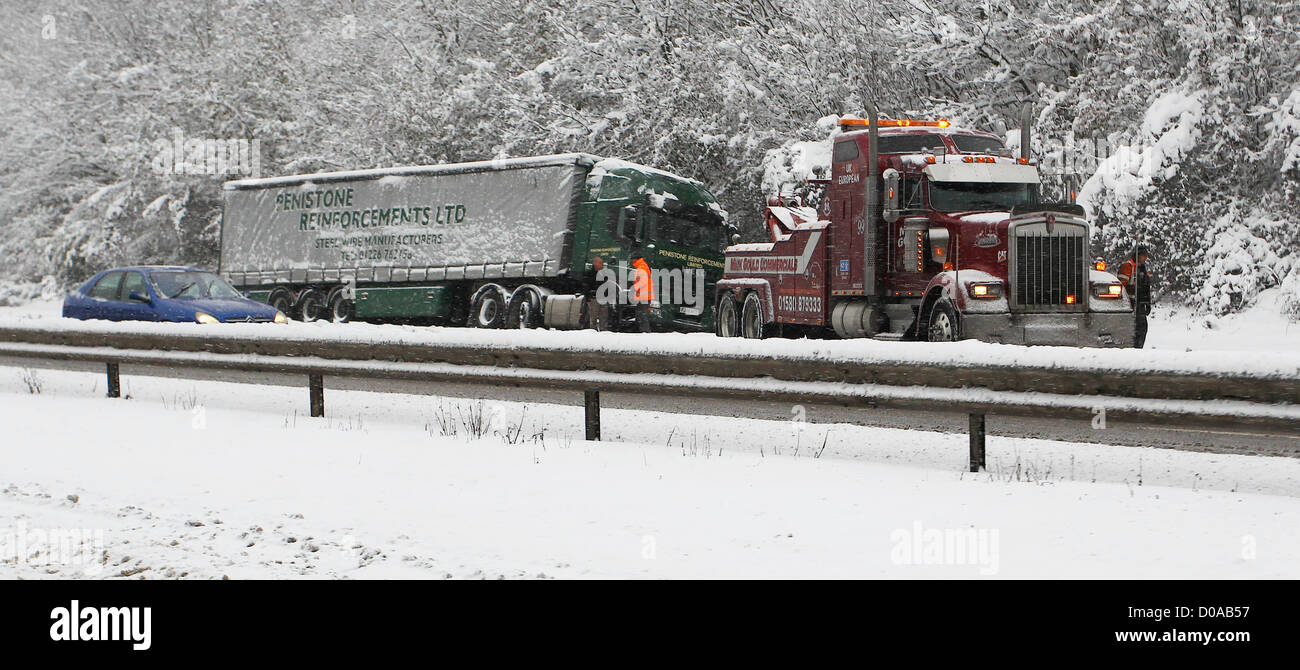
(1205,91)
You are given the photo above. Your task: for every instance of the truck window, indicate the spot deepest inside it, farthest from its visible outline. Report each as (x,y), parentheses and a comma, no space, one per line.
(846,151)
(910,144)
(974,144)
(958,196)
(614,187)
(910,193)
(106,287)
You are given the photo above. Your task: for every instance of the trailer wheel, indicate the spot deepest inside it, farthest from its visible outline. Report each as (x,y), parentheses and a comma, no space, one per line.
(311,305)
(726,317)
(944,325)
(751,318)
(489,310)
(525,310)
(282,299)
(339,307)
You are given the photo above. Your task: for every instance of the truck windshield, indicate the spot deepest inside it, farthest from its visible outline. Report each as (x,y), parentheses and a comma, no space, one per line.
(663,226)
(193,285)
(958,196)
(975,144)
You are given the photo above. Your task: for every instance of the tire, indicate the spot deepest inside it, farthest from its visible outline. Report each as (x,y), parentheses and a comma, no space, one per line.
(311,306)
(944,326)
(282,299)
(726,318)
(488,310)
(338,308)
(751,318)
(525,310)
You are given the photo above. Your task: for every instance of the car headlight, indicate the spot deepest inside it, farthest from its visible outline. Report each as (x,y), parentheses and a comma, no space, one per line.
(1108,291)
(985,291)
(204,317)
(280,317)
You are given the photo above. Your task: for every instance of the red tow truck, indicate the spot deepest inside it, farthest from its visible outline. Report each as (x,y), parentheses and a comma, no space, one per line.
(925,231)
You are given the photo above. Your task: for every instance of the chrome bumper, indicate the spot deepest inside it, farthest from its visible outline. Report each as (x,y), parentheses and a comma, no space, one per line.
(1079,329)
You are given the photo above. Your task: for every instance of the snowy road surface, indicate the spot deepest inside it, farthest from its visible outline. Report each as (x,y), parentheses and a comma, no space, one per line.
(208,479)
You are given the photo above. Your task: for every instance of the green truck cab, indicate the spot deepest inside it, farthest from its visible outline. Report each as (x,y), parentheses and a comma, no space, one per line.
(491,244)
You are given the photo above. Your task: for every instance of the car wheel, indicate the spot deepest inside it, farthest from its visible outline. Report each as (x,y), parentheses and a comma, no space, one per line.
(944,325)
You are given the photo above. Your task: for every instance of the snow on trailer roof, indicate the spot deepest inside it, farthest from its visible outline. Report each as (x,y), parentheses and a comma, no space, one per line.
(413,170)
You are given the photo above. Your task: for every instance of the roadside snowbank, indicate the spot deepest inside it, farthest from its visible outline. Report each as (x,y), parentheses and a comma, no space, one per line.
(211,479)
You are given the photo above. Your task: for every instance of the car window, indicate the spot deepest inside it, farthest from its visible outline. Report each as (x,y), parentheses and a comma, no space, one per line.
(184,284)
(107,286)
(133,281)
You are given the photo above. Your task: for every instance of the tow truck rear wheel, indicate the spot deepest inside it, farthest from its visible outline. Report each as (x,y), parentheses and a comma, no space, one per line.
(752,325)
(726,317)
(944,326)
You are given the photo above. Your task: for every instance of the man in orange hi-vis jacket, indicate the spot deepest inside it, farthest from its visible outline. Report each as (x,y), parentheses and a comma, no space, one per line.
(643,292)
(1133,273)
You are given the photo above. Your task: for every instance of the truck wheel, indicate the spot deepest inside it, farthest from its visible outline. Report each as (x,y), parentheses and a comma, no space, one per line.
(339,308)
(282,299)
(944,325)
(525,310)
(311,305)
(488,311)
(726,318)
(751,318)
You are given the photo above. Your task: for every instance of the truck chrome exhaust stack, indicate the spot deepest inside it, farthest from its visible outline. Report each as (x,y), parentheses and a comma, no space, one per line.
(1026,120)
(869,284)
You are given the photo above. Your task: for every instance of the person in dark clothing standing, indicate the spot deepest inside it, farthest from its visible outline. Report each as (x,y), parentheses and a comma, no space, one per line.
(1133,273)
(598,306)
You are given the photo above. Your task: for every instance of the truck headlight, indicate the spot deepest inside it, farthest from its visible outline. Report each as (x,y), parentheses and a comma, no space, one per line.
(204,317)
(1108,291)
(280,317)
(985,291)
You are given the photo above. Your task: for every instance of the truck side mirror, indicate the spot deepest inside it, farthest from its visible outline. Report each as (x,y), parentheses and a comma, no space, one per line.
(939,245)
(627,222)
(893,195)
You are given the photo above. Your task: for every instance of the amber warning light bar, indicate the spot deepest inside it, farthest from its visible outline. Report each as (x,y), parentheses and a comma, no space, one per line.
(846,124)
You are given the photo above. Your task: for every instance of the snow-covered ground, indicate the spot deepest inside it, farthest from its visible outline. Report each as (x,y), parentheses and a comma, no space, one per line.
(1261,327)
(209,479)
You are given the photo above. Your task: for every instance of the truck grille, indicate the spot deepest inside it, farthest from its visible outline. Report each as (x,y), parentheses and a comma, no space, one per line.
(1048,268)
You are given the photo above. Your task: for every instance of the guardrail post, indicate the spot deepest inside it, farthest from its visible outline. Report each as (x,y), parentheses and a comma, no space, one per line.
(317,385)
(114,381)
(591,400)
(976,442)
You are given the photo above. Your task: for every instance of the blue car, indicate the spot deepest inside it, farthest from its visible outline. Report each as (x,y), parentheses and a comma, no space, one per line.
(165,293)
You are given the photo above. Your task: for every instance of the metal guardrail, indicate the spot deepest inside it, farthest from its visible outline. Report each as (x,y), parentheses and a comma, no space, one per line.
(1259,402)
